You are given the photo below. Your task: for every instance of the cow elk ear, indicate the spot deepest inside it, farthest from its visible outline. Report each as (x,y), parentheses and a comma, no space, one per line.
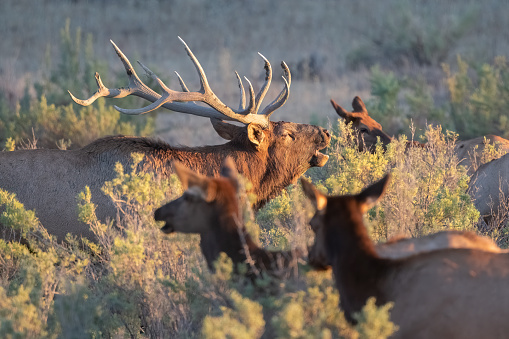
(189,179)
(370,195)
(206,190)
(225,130)
(340,110)
(358,105)
(228,170)
(318,199)
(255,134)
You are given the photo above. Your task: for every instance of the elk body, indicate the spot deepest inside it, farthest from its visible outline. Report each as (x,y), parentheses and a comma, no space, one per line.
(368,130)
(489,188)
(397,248)
(450,293)
(210,207)
(269,154)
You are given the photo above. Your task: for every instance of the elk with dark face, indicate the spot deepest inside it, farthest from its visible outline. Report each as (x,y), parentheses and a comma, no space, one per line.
(450,293)
(367,130)
(269,154)
(210,207)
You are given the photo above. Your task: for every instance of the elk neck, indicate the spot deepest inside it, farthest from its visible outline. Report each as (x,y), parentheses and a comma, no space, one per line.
(356,266)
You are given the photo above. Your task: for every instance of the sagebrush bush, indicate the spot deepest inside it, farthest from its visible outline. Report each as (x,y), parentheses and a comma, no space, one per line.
(427,192)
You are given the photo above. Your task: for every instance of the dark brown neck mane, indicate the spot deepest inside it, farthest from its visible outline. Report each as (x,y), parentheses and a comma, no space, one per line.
(265,177)
(356,265)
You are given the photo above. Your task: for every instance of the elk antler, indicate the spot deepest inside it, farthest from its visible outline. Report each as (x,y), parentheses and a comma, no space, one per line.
(185,101)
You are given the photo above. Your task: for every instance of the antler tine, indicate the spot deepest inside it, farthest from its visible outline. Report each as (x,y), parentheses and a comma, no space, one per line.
(102,91)
(283,95)
(182,83)
(185,101)
(265,87)
(242,103)
(252,101)
(135,87)
(203,78)
(168,95)
(213,101)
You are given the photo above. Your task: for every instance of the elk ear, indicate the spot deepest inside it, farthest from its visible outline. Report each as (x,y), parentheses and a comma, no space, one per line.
(196,183)
(318,199)
(225,130)
(255,134)
(229,171)
(341,111)
(358,105)
(370,195)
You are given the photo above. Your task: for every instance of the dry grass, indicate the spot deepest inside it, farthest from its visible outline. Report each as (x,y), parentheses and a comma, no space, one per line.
(226,35)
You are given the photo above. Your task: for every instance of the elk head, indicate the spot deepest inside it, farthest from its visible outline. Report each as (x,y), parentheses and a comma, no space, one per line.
(334,218)
(203,203)
(367,130)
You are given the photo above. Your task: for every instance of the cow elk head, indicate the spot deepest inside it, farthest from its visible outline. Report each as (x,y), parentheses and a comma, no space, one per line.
(333,217)
(203,201)
(367,130)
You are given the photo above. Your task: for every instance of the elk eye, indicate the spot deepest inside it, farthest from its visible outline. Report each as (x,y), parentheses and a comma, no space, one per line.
(364,130)
(289,135)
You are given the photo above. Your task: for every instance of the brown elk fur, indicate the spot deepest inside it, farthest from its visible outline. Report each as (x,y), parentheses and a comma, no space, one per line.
(489,189)
(396,248)
(210,207)
(450,293)
(48,181)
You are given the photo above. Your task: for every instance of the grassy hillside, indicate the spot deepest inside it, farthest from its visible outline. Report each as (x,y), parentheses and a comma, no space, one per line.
(329,45)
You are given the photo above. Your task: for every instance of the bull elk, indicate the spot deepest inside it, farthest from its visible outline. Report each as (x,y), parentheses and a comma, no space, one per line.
(449,293)
(210,207)
(271,155)
(368,131)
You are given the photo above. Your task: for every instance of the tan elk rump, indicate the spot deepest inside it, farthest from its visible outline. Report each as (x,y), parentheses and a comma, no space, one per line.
(368,131)
(397,248)
(210,207)
(450,293)
(269,154)
(489,189)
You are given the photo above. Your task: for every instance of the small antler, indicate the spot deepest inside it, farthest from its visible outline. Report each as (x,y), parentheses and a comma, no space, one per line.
(185,101)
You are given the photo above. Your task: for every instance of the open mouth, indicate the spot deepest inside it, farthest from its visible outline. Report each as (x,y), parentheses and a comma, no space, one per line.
(318,159)
(167,228)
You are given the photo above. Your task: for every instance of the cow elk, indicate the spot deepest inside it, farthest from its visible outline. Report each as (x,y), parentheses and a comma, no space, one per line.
(368,131)
(449,293)
(271,155)
(489,189)
(210,207)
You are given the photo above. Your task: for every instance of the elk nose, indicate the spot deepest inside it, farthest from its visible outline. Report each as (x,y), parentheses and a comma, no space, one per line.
(158,214)
(324,131)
